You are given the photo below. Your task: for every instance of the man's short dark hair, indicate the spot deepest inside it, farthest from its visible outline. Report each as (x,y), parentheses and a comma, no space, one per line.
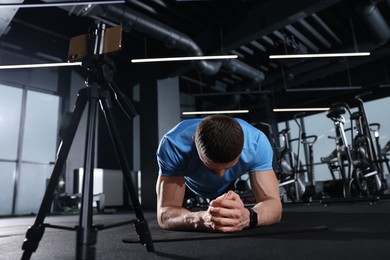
(220,138)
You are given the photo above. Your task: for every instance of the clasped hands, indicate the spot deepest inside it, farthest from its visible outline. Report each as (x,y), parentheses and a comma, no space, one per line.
(226,214)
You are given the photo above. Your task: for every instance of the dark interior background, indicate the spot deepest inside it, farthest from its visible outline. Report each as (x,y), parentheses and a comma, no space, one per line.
(252,29)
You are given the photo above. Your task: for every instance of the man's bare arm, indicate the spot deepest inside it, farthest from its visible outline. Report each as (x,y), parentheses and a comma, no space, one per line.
(265,188)
(225,214)
(170,213)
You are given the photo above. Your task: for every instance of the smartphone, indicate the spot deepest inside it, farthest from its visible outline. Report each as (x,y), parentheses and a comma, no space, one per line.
(79,46)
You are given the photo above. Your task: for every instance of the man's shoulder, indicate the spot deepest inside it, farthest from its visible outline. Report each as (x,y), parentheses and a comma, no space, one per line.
(245,125)
(179,138)
(185,125)
(249,130)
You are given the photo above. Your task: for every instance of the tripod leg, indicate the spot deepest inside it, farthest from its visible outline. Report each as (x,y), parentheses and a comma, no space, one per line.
(141,225)
(86,236)
(35,232)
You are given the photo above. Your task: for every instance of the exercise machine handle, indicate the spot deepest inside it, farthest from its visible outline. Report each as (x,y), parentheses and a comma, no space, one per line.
(305,139)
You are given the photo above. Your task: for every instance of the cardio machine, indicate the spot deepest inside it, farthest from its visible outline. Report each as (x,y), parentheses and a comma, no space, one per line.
(366,156)
(287,166)
(290,170)
(356,162)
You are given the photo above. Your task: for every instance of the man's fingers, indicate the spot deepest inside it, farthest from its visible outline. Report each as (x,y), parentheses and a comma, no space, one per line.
(225,224)
(226,229)
(225,212)
(226,215)
(223,200)
(231,195)
(230,204)
(224,221)
(218,199)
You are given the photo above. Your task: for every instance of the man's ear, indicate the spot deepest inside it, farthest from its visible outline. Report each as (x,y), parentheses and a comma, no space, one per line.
(193,138)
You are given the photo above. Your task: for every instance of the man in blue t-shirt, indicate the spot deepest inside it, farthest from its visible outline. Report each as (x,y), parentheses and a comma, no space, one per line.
(206,156)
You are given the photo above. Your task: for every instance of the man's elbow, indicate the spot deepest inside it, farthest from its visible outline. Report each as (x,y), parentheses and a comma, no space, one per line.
(163,219)
(277,210)
(278,217)
(278,213)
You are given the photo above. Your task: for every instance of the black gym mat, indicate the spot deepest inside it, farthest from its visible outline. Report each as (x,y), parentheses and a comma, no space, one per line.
(161,235)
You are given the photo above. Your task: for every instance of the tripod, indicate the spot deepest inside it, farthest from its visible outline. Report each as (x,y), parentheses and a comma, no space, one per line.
(94,94)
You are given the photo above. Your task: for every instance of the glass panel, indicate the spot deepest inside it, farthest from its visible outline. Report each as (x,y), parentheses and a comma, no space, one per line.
(375,111)
(6,187)
(10,107)
(40,136)
(32,186)
(44,78)
(323,127)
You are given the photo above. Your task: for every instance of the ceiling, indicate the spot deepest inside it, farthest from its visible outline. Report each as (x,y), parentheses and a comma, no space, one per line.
(251,29)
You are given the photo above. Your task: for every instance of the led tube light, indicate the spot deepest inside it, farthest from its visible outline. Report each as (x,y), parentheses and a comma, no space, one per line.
(40,65)
(216,112)
(217,57)
(319,55)
(300,109)
(54,4)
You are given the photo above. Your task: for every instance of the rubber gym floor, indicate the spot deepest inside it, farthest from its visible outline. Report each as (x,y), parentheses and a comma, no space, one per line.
(319,230)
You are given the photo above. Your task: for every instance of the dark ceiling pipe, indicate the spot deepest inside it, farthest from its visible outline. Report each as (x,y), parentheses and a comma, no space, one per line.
(374,20)
(175,39)
(371,16)
(237,67)
(171,38)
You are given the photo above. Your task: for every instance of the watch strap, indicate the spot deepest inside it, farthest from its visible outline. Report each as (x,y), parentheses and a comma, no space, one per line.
(252,218)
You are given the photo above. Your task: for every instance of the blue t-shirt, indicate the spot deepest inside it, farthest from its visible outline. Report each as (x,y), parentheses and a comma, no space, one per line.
(177,156)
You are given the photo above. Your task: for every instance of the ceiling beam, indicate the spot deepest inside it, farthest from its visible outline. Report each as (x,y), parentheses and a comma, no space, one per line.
(264,20)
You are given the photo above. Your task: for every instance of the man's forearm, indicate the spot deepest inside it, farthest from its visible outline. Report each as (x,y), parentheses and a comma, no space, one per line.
(178,218)
(268,211)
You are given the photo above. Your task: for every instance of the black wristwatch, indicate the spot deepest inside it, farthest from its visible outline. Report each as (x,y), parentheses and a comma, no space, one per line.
(252,218)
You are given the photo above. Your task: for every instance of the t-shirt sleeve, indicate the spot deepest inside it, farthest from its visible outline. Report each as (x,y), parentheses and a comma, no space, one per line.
(263,154)
(169,158)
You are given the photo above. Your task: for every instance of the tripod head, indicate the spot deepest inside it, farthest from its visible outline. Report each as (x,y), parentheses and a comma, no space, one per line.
(93,50)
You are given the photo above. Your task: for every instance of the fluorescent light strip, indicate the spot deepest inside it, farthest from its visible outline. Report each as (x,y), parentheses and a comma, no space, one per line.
(216,112)
(232,93)
(217,57)
(323,55)
(40,65)
(60,4)
(300,109)
(323,89)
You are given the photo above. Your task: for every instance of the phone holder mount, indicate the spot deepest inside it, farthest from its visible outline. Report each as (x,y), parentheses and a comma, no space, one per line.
(100,73)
